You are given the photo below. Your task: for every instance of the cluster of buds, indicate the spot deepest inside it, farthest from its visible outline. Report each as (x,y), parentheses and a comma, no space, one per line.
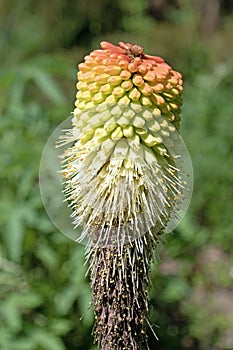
(121,180)
(125,74)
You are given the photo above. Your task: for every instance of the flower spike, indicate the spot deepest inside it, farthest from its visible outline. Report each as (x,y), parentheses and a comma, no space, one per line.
(123,180)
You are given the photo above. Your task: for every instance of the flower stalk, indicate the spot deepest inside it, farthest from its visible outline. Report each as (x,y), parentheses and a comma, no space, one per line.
(122,181)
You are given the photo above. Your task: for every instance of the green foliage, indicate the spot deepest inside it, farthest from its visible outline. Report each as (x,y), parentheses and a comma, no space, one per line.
(43,288)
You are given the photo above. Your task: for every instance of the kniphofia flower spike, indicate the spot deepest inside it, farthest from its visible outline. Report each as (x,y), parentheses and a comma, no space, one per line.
(122,181)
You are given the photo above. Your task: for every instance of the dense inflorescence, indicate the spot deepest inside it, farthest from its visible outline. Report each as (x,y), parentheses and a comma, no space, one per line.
(125,74)
(121,180)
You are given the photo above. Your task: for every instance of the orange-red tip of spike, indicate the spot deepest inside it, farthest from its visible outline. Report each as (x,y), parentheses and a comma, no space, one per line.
(126,72)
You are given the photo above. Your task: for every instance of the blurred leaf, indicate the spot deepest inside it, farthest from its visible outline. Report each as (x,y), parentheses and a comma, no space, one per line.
(5,338)
(65,299)
(22,344)
(48,86)
(26,301)
(46,340)
(11,315)
(60,326)
(14,234)
(48,257)
(176,289)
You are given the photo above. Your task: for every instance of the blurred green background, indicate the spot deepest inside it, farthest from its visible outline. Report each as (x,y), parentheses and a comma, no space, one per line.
(43,291)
